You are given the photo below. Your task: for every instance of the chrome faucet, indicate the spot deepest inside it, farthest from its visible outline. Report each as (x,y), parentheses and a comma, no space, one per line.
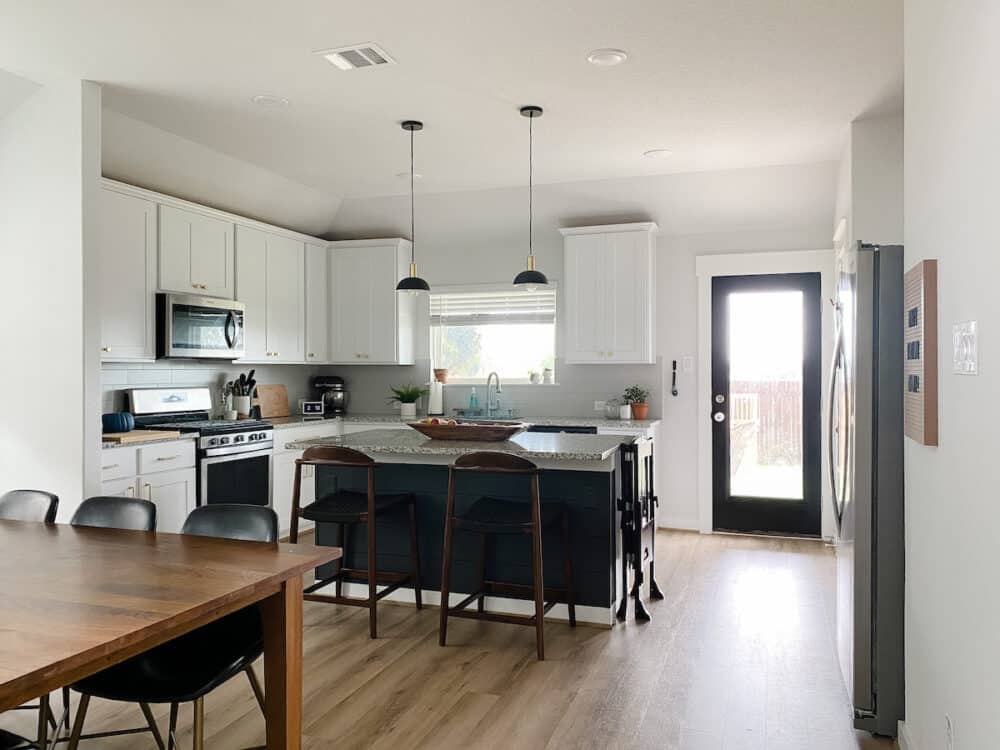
(492,404)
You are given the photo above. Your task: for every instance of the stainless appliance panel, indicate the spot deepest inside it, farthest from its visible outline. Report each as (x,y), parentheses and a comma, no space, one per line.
(189,326)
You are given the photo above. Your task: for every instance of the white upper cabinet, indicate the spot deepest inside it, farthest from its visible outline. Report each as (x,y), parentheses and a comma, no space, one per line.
(370,323)
(196,253)
(270,281)
(317,316)
(127,249)
(609,294)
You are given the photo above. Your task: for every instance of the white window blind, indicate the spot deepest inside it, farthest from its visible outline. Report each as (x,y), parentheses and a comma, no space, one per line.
(493,308)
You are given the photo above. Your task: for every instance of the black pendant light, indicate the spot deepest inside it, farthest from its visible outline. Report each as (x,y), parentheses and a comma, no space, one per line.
(531,279)
(412,283)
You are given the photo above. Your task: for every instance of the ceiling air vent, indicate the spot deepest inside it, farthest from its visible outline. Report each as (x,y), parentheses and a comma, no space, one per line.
(368,55)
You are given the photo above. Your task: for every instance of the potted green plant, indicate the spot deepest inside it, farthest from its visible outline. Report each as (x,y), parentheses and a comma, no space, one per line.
(407,396)
(637,398)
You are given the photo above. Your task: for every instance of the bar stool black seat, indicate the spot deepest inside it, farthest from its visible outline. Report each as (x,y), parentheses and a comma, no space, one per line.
(489,516)
(187,668)
(29,505)
(345,507)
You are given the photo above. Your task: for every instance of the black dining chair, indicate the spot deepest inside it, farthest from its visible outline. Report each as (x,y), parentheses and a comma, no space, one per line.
(34,506)
(128,513)
(187,668)
(29,505)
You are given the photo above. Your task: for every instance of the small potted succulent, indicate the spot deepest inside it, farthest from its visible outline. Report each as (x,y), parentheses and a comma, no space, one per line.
(407,396)
(534,377)
(637,398)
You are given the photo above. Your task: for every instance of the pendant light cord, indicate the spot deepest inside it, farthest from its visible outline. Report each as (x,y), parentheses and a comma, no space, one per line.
(531,189)
(413,238)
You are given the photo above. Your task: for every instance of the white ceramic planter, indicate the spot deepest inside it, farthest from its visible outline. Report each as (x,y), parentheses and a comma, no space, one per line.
(625,411)
(408,411)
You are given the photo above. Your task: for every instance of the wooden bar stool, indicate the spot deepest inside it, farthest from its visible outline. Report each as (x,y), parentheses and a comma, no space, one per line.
(345,507)
(489,516)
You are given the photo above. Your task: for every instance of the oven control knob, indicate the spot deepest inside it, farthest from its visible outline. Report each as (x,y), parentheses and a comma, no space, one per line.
(238,439)
(213,441)
(251,437)
(223,441)
(262,436)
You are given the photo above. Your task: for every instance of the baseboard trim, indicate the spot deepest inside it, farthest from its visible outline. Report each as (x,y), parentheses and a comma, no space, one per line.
(677,523)
(593,616)
(905,740)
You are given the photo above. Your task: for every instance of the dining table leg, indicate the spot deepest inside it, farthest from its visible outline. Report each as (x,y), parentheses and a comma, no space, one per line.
(282,616)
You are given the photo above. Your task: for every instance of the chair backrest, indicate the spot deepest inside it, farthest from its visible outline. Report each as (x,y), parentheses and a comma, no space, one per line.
(494,462)
(116,513)
(29,505)
(250,523)
(319,455)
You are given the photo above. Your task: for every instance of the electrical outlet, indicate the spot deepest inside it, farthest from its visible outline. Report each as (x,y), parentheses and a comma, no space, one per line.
(949,733)
(600,405)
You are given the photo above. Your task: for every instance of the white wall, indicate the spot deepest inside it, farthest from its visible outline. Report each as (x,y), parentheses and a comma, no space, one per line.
(49,153)
(952,199)
(144,155)
(482,237)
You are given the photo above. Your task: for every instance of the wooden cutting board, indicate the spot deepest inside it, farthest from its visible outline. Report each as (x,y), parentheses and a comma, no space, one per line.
(139,436)
(273,401)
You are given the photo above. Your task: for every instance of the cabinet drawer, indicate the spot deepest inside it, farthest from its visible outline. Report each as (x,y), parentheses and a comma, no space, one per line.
(166,456)
(118,463)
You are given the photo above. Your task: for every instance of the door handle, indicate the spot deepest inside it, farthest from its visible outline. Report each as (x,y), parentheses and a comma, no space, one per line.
(836,364)
(719,416)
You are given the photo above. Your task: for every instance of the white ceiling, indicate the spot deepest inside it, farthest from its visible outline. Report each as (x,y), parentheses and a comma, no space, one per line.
(724,84)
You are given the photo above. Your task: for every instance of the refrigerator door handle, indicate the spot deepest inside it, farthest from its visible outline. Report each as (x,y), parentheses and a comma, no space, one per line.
(835,369)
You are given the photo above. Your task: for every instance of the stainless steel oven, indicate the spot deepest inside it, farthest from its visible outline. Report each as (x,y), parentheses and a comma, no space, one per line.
(235,471)
(188,326)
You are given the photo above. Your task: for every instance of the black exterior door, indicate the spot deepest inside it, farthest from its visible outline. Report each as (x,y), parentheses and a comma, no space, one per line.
(766,404)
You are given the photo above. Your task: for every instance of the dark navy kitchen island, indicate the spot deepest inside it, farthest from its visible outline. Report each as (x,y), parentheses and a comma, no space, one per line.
(581,471)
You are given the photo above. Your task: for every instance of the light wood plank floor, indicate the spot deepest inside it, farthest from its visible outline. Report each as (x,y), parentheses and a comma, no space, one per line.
(740,656)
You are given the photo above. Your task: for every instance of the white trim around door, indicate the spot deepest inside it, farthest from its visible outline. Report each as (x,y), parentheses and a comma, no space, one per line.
(748,264)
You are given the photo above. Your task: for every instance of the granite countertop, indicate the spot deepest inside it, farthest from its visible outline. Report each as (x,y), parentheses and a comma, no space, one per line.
(639,424)
(105,445)
(559,447)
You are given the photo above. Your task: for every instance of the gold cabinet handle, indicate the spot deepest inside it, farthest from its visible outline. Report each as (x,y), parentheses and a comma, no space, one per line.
(109,467)
(311,355)
(167,458)
(106,349)
(149,490)
(130,491)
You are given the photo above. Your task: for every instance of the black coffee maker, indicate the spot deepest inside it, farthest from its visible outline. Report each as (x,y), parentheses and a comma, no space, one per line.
(333,392)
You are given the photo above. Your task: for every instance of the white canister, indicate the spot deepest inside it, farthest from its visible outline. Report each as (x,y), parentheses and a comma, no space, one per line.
(548,377)
(242,405)
(408,411)
(625,411)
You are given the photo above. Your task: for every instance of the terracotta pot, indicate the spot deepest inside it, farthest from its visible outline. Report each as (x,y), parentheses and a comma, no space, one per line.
(441,374)
(640,411)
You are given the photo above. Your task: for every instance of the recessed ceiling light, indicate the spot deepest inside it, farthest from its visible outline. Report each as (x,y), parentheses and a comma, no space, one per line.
(605,58)
(406,175)
(270,101)
(657,153)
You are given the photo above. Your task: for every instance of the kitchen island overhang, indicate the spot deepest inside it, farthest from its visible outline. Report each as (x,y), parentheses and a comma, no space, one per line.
(581,471)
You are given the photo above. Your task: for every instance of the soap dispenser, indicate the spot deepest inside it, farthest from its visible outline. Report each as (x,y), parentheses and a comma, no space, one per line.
(473,400)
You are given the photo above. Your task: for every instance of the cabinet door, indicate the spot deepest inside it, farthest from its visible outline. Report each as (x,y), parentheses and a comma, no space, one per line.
(586,308)
(317,314)
(173,493)
(251,289)
(630,284)
(196,253)
(285,299)
(120,487)
(382,301)
(350,321)
(127,251)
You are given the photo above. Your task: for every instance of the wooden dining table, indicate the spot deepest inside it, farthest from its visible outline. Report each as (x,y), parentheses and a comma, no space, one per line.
(76,600)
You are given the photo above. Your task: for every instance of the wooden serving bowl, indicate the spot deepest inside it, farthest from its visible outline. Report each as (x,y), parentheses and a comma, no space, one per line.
(480,432)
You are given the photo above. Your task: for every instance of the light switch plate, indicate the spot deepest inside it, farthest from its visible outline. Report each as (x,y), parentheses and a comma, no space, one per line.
(965,342)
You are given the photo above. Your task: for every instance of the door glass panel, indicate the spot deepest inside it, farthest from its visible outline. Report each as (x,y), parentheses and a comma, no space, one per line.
(765,391)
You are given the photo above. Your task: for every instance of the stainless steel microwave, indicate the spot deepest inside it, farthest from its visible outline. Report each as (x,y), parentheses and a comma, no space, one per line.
(190,327)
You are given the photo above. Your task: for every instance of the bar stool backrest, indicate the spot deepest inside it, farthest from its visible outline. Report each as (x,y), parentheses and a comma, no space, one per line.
(494,462)
(320,455)
(29,505)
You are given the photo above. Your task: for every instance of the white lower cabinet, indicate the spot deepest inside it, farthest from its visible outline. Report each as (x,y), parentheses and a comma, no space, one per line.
(134,472)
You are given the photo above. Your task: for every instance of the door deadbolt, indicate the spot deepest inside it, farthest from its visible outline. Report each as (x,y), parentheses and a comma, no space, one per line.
(719,416)
(719,398)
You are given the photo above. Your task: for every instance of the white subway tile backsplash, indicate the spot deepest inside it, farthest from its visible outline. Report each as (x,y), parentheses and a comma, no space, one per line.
(114,377)
(145,377)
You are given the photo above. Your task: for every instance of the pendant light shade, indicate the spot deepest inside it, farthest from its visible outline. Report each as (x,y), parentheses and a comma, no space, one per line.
(531,278)
(412,283)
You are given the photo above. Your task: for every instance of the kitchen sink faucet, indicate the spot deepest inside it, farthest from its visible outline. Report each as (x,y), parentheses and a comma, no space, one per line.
(493,398)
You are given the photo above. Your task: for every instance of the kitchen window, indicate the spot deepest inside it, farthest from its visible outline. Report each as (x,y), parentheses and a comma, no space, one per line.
(476,332)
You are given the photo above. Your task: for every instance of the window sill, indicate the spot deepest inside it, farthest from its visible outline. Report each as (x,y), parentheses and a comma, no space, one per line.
(505,384)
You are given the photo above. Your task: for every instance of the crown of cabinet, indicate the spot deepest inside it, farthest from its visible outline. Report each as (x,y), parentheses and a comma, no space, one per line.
(610,304)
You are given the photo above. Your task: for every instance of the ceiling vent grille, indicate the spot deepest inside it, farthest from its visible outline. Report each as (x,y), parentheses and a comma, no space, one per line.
(367,55)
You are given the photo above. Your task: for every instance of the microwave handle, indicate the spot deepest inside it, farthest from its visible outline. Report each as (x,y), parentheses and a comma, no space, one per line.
(231,322)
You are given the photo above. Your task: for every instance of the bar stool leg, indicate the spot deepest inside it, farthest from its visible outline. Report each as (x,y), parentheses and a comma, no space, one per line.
(372,586)
(81,715)
(483,552)
(43,721)
(568,569)
(446,560)
(536,564)
(341,542)
(415,555)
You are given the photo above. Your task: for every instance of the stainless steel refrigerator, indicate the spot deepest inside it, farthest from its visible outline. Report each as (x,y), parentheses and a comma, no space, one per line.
(865,424)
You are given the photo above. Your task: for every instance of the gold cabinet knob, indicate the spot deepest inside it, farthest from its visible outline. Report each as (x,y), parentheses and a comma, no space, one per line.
(106,349)
(311,355)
